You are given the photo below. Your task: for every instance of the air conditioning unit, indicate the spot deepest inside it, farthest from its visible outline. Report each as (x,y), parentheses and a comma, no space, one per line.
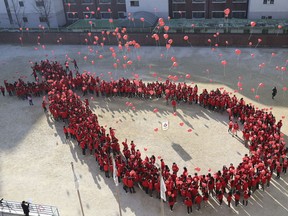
(221,25)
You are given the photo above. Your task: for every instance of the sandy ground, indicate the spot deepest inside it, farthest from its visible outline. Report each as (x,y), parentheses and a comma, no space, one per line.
(35,158)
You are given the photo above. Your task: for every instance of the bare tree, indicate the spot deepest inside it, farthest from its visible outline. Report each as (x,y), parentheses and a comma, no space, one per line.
(43,7)
(16,11)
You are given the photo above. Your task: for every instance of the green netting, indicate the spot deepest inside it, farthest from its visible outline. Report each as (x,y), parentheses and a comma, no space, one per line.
(235,23)
(96,24)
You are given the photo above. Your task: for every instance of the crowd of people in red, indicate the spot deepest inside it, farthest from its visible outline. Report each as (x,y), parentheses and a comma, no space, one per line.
(261,134)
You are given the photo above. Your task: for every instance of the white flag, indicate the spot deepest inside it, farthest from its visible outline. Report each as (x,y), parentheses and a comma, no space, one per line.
(115,172)
(162,188)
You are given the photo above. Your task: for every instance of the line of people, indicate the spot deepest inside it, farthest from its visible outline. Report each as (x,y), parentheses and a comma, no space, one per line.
(260,131)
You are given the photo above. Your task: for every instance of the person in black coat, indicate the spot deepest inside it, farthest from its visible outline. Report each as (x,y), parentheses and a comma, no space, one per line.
(25,207)
(274,92)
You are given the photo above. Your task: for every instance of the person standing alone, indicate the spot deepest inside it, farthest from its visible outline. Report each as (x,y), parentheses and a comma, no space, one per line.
(29,97)
(25,207)
(274,92)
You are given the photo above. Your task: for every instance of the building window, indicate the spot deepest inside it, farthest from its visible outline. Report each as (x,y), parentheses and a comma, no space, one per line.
(239,14)
(105,15)
(179,1)
(239,1)
(198,1)
(179,14)
(40,3)
(198,14)
(121,15)
(218,1)
(105,1)
(134,3)
(217,14)
(120,1)
(43,19)
(268,1)
(21,3)
(72,15)
(70,1)
(25,19)
(86,1)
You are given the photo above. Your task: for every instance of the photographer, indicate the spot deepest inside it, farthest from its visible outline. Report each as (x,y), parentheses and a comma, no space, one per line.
(25,207)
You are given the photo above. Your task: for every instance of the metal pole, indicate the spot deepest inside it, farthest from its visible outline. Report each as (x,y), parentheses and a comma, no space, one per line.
(77,188)
(118,199)
(116,185)
(162,207)
(161,203)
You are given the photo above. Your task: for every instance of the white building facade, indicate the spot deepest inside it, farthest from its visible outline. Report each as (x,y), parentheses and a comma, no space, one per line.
(31,13)
(268,9)
(159,7)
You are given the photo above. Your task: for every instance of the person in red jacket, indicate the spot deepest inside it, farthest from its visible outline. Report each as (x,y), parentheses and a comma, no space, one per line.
(125,183)
(188,203)
(130,183)
(2,90)
(246,196)
(235,129)
(285,165)
(174,104)
(175,168)
(220,197)
(150,187)
(278,170)
(198,200)
(171,201)
(106,169)
(44,106)
(237,197)
(65,132)
(229,198)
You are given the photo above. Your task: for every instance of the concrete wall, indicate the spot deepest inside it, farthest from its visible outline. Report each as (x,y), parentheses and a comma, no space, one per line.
(278,10)
(236,40)
(159,7)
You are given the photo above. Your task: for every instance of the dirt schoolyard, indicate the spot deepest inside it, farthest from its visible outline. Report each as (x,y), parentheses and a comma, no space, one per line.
(35,158)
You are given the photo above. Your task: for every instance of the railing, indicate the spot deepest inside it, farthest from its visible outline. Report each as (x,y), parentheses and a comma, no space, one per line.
(191,26)
(14,208)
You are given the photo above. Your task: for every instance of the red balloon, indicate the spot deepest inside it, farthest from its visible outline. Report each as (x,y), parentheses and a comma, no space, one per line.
(185,38)
(237,52)
(188,76)
(224,62)
(227,11)
(175,64)
(173,59)
(253,24)
(166,28)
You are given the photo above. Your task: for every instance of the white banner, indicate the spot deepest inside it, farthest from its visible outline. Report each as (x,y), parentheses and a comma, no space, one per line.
(115,172)
(162,188)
